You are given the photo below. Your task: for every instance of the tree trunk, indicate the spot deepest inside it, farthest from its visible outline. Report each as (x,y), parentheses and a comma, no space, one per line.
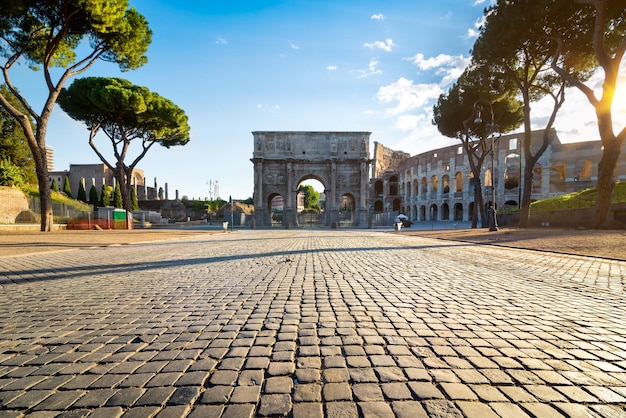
(45,199)
(121,178)
(606,182)
(527,191)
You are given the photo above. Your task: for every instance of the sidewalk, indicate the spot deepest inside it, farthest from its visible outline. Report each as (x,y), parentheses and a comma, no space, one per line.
(596,243)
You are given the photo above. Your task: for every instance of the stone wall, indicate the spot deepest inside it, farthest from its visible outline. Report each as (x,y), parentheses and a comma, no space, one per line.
(14,206)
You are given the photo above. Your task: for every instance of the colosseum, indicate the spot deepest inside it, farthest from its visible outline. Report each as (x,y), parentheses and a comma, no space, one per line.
(438,185)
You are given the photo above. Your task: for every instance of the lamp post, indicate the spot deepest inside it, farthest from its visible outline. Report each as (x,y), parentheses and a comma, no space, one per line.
(491,129)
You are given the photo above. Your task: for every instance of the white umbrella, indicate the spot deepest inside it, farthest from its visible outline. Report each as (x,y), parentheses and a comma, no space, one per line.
(402,216)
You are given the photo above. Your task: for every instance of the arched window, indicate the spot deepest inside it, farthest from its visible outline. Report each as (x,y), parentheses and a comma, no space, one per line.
(458,182)
(445,181)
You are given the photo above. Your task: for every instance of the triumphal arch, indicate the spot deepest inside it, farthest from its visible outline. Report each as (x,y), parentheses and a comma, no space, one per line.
(338,160)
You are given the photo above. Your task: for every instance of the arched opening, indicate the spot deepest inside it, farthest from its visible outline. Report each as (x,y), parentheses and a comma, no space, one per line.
(557,177)
(434,186)
(445,182)
(415,188)
(275,207)
(458,212)
(458,182)
(537,174)
(584,170)
(422,213)
(433,212)
(488,182)
(395,205)
(378,206)
(424,187)
(311,202)
(445,212)
(378,188)
(346,210)
(512,171)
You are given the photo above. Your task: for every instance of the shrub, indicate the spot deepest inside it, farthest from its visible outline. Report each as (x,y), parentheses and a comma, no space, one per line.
(10,174)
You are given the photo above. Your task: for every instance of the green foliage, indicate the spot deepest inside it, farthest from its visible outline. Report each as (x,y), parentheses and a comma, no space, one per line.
(126,114)
(54,186)
(48,33)
(93,195)
(105,196)
(32,190)
(455,111)
(72,35)
(311,196)
(248,201)
(134,202)
(82,194)
(117,197)
(10,174)
(161,193)
(13,143)
(67,188)
(579,200)
(214,205)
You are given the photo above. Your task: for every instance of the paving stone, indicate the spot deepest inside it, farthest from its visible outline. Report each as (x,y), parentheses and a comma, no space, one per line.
(281,368)
(425,390)
(476,409)
(396,391)
(95,398)
(367,392)
(308,410)
(508,410)
(184,395)
(217,394)
(408,409)
(155,396)
(275,405)
(541,410)
(308,375)
(337,392)
(441,409)
(432,329)
(311,392)
(341,410)
(279,384)
(125,397)
(246,394)
(59,401)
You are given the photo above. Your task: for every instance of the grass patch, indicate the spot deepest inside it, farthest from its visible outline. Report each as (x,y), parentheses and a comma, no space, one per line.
(579,200)
(57,197)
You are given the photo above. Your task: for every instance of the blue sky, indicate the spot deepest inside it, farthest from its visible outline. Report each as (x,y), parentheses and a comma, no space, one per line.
(238,67)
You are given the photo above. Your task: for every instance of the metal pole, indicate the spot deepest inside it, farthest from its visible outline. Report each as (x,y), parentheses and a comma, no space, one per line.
(493,223)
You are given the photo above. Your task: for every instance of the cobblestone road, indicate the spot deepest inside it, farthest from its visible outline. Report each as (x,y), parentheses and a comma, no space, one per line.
(311,323)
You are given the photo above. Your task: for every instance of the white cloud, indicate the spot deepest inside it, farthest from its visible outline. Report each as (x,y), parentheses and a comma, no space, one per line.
(407,96)
(293,46)
(409,104)
(372,69)
(221,41)
(447,16)
(448,67)
(473,32)
(378,16)
(387,45)
(331,67)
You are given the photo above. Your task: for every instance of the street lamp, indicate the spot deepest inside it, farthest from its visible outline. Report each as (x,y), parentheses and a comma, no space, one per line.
(491,129)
